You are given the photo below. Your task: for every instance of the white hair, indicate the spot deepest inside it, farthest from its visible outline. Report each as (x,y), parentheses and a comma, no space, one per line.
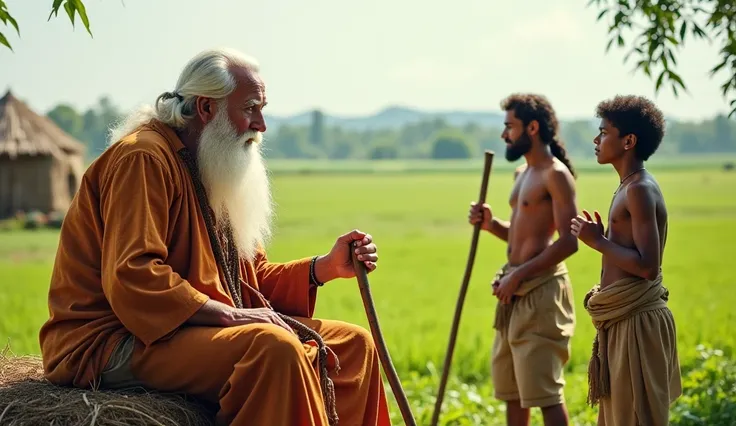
(208,74)
(231,165)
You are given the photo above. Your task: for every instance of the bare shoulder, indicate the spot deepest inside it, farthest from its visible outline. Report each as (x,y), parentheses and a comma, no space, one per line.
(519,170)
(558,179)
(558,167)
(643,194)
(645,201)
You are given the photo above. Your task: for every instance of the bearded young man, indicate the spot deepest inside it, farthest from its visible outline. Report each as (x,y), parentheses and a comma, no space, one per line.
(535,317)
(634,371)
(161,279)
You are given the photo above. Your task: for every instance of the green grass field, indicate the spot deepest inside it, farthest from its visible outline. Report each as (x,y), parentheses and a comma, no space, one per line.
(418,221)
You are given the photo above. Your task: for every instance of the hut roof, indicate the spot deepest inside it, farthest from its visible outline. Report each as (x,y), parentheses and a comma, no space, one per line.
(23,132)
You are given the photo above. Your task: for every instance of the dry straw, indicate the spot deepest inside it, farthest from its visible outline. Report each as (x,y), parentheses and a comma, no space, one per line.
(26,398)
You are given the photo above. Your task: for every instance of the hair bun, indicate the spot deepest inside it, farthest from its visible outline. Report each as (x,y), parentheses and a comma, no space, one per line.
(172,95)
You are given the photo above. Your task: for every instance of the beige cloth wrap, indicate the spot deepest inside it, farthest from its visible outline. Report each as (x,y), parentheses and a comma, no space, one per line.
(532,344)
(634,371)
(504,311)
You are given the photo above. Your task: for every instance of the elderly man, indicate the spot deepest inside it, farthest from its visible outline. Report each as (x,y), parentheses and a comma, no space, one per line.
(161,279)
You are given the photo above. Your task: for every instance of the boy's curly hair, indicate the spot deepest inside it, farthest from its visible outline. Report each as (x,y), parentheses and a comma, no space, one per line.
(636,115)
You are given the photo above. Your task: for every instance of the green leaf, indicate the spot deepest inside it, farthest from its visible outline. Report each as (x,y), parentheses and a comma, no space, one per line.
(14,23)
(725,87)
(653,46)
(697,31)
(718,67)
(659,81)
(5,17)
(672,56)
(55,8)
(72,8)
(643,65)
(4,41)
(600,15)
(677,79)
(82,14)
(683,30)
(69,11)
(608,45)
(618,17)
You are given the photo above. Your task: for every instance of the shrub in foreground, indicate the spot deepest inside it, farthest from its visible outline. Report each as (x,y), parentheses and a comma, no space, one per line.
(709,396)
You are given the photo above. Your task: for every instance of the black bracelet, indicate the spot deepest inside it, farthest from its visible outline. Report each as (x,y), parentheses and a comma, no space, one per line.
(312,277)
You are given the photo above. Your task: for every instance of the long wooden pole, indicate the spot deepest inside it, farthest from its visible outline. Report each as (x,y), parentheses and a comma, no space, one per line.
(463,290)
(383,355)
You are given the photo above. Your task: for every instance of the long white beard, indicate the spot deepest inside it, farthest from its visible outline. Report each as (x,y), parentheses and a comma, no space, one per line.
(237,182)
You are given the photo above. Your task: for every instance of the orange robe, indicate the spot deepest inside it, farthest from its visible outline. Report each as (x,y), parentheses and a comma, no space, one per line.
(134,257)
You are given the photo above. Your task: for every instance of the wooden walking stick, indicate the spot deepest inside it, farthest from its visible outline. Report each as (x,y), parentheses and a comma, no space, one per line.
(370,310)
(463,289)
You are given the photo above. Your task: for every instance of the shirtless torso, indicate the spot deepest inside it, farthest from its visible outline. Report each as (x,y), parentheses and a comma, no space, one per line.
(539,198)
(528,360)
(637,220)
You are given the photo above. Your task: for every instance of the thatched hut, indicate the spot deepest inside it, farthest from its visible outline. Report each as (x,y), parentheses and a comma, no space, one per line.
(41,166)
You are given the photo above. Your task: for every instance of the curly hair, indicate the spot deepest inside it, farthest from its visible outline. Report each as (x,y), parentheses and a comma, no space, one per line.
(528,107)
(638,116)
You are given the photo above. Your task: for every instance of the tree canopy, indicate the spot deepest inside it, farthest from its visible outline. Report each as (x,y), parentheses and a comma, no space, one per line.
(427,135)
(662,27)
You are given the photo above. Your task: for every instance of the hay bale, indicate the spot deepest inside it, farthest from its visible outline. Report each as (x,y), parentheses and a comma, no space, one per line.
(26,398)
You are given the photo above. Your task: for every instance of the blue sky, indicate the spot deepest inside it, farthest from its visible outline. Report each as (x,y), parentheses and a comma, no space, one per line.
(347,58)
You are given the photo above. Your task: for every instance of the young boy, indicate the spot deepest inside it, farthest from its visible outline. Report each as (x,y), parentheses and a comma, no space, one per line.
(634,371)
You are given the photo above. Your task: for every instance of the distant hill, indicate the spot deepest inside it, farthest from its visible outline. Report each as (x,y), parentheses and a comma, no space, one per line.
(392,117)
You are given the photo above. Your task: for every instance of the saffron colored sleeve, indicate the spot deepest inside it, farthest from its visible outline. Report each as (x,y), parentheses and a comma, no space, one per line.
(149,298)
(286,285)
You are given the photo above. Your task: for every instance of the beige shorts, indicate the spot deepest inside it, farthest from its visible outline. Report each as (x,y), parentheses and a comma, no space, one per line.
(528,359)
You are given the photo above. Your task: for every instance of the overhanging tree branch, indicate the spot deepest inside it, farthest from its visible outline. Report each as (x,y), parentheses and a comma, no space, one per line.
(663,27)
(73,9)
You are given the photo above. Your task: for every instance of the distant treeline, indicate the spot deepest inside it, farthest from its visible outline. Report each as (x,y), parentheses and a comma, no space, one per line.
(432,137)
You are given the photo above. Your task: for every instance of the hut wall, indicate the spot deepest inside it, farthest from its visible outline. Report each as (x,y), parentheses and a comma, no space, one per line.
(25,184)
(66,176)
